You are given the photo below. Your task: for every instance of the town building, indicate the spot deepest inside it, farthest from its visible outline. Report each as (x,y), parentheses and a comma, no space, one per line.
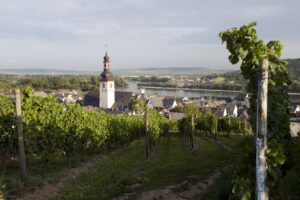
(107,85)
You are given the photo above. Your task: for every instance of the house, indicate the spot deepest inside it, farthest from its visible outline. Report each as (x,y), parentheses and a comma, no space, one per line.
(211,103)
(162,103)
(244,115)
(221,111)
(295,109)
(91,98)
(68,98)
(156,102)
(122,100)
(243,112)
(242,97)
(169,103)
(295,127)
(232,109)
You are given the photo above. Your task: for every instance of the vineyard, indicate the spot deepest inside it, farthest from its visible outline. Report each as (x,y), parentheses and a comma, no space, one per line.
(65,133)
(75,154)
(51,150)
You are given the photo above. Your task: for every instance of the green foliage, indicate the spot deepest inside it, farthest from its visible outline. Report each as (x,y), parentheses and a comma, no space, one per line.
(244,45)
(121,82)
(233,125)
(158,125)
(151,79)
(209,123)
(241,189)
(123,129)
(40,82)
(7,120)
(137,105)
(54,129)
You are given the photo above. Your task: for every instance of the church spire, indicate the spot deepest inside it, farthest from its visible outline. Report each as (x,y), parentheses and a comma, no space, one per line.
(106,60)
(107,85)
(106,74)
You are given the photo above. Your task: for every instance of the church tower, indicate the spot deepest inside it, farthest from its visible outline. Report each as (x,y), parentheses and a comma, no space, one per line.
(107,85)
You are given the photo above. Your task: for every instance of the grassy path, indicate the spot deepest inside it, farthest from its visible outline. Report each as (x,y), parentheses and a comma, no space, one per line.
(127,175)
(70,174)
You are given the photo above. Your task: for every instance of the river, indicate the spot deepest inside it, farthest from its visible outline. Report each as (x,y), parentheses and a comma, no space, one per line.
(132,87)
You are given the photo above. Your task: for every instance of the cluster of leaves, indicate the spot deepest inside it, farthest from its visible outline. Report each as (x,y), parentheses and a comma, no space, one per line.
(208,122)
(158,125)
(124,129)
(186,125)
(243,44)
(233,125)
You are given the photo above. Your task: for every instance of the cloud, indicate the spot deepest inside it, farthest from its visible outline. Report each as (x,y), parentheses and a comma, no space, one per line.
(72,33)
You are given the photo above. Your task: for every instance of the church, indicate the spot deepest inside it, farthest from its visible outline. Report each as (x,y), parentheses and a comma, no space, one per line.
(107,85)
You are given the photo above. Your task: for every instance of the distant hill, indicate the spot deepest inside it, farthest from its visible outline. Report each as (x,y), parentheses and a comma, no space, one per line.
(293,68)
(125,72)
(168,71)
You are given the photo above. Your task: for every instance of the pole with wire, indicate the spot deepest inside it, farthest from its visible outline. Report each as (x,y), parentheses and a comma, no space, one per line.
(21,148)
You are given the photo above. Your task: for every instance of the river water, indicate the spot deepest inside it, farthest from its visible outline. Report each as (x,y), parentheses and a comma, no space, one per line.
(132,87)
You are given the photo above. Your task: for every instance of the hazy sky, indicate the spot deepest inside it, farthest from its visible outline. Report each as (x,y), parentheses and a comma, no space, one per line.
(71,34)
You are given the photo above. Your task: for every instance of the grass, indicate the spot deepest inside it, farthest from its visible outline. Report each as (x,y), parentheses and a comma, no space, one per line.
(172,163)
(108,179)
(37,174)
(288,188)
(221,188)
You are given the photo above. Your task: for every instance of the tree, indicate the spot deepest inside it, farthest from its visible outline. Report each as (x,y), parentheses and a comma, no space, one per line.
(137,105)
(257,59)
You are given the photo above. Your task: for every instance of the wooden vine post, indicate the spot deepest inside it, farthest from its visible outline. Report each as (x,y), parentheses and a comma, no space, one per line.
(192,131)
(147,137)
(261,138)
(21,147)
(255,56)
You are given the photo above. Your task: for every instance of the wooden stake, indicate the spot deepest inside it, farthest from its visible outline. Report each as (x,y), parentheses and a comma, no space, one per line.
(147,138)
(192,132)
(21,148)
(261,138)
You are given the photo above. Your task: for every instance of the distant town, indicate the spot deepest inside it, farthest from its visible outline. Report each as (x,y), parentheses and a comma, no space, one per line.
(223,94)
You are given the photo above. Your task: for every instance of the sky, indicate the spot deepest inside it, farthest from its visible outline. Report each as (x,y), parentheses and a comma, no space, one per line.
(72,34)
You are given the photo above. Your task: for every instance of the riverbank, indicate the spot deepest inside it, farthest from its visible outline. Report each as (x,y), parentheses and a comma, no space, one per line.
(190,89)
(182,91)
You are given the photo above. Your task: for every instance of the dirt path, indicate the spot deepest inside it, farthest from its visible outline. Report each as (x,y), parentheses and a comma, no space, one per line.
(66,175)
(183,191)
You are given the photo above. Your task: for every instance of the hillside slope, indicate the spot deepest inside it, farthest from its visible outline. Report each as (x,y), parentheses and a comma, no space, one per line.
(293,68)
